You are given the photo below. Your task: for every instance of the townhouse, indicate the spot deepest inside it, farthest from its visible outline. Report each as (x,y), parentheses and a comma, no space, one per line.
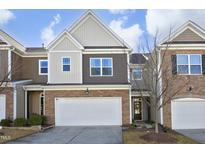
(88,75)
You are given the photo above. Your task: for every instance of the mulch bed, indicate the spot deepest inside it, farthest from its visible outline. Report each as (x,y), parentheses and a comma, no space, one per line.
(159,138)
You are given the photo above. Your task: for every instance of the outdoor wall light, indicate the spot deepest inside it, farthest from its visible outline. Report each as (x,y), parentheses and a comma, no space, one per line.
(87,91)
(190,89)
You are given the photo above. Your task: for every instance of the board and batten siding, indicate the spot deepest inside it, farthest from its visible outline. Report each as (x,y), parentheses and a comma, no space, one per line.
(56,74)
(90,33)
(65,45)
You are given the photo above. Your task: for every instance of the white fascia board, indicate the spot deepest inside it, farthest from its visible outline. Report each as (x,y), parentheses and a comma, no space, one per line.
(11,41)
(107,51)
(77,87)
(185,47)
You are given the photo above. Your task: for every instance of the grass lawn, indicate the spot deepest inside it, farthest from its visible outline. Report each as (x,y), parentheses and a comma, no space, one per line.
(147,136)
(12,134)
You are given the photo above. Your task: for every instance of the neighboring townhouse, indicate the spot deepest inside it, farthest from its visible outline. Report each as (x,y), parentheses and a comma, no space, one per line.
(141,111)
(185,58)
(80,78)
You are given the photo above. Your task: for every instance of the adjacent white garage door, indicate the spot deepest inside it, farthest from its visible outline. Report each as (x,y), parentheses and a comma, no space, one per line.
(84,111)
(188,113)
(2,107)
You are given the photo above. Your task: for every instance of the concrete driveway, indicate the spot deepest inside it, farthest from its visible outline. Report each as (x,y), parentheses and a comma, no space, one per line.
(195,134)
(75,135)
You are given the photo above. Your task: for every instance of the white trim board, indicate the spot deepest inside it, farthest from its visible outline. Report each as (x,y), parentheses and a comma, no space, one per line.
(76,87)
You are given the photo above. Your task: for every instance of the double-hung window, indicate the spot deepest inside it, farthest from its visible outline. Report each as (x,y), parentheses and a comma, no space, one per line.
(189,64)
(137,74)
(43,67)
(66,64)
(101,67)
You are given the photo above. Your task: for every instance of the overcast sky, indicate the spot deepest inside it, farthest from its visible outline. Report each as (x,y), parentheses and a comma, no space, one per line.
(34,27)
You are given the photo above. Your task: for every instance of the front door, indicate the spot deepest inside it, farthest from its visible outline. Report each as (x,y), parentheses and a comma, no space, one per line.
(137,108)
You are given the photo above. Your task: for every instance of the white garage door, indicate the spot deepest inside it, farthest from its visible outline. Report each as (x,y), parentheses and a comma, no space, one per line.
(83,111)
(2,107)
(188,113)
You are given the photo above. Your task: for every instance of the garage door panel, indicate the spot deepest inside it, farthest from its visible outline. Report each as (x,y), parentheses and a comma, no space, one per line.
(188,114)
(88,111)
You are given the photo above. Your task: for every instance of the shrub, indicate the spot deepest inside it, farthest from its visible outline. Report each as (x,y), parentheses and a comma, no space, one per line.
(20,122)
(5,122)
(34,120)
(44,120)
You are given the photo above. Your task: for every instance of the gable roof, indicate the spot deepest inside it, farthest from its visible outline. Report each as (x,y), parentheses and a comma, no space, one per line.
(7,39)
(91,14)
(62,35)
(192,27)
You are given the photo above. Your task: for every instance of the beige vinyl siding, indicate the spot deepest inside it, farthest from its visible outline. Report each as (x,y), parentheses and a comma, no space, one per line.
(188,35)
(56,74)
(64,45)
(90,33)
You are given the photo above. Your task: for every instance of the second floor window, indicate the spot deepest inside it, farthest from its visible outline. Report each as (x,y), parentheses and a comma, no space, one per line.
(66,64)
(101,67)
(43,67)
(137,74)
(189,64)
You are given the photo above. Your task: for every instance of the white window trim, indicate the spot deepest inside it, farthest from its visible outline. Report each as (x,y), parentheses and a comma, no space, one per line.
(136,71)
(189,64)
(101,67)
(39,67)
(63,64)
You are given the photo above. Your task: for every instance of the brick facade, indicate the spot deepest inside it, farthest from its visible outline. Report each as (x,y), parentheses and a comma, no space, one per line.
(50,99)
(9,101)
(197,82)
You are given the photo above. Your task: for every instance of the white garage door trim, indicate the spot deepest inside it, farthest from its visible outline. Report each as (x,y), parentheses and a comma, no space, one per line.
(193,108)
(106,111)
(2,106)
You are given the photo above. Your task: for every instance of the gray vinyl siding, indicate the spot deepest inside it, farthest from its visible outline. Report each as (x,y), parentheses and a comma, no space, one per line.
(119,69)
(3,64)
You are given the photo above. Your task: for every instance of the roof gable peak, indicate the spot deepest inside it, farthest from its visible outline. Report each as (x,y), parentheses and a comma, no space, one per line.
(189,25)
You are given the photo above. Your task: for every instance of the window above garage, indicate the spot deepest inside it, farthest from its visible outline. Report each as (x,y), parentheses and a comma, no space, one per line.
(101,67)
(189,64)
